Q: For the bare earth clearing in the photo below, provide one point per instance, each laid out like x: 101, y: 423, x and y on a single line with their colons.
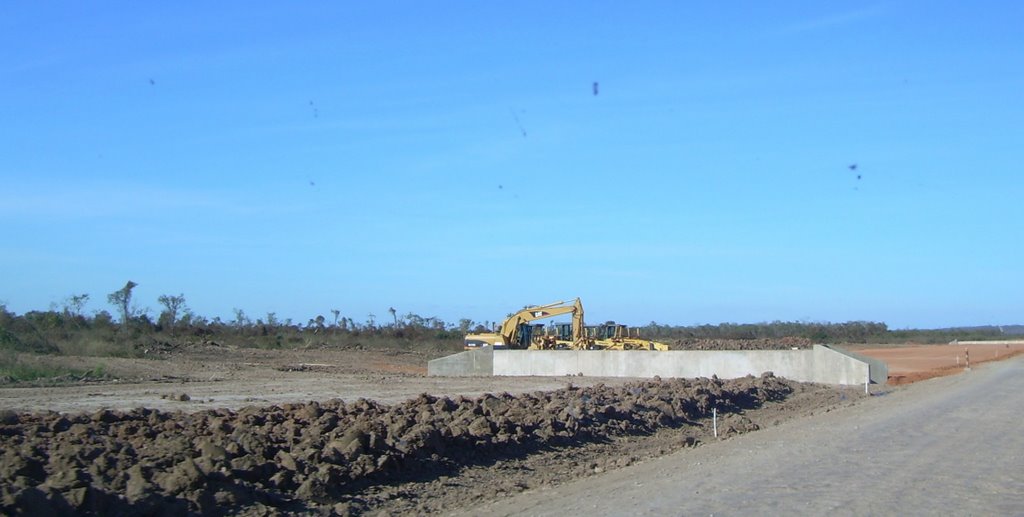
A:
x: 219, y: 377
x: 919, y: 362
x: 275, y: 452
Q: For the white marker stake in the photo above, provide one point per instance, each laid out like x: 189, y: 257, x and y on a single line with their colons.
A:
x: 714, y: 419
x: 867, y: 381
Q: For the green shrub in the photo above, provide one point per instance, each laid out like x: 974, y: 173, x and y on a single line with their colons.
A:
x: 20, y: 335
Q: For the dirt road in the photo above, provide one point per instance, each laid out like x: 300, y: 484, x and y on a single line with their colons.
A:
x: 220, y: 377
x: 950, y: 445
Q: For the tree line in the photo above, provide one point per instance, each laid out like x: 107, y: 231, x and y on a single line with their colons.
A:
x: 66, y: 327
x: 820, y: 332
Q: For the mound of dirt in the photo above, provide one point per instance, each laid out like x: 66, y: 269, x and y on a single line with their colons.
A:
x: 785, y: 343
x: 311, y: 457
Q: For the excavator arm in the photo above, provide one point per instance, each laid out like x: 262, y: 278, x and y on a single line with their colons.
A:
x: 511, y: 327
x: 509, y: 334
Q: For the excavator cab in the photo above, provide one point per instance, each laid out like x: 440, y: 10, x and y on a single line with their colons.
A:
x: 609, y: 330
x: 527, y: 334
x: 563, y: 331
x: 615, y: 330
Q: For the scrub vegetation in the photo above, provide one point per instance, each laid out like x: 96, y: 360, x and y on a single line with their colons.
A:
x: 68, y: 329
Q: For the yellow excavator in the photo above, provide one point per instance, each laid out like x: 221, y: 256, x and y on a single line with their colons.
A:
x: 518, y: 332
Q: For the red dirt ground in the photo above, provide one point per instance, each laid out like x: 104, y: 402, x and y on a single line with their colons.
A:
x: 919, y: 362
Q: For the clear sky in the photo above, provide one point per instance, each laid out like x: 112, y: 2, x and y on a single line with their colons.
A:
x: 452, y: 159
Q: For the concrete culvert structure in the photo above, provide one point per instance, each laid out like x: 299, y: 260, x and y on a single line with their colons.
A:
x: 820, y: 364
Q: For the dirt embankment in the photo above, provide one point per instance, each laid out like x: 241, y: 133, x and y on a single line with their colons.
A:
x: 785, y: 343
x: 323, y: 457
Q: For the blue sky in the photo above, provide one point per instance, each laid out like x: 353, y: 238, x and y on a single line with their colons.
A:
x: 450, y: 159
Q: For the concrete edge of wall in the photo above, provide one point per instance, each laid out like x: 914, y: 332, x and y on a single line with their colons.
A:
x: 877, y: 369
x: 471, y: 363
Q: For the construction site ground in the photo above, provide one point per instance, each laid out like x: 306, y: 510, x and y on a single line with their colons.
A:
x: 205, y: 380
x: 944, y: 446
x: 912, y: 363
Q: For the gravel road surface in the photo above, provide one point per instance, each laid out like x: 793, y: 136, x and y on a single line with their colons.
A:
x: 947, y: 446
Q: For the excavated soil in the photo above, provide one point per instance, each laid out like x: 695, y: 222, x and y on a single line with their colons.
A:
x: 225, y: 430
x: 785, y: 343
x: 334, y: 457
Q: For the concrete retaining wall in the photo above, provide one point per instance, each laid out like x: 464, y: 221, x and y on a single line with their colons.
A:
x: 820, y: 364
x: 879, y: 371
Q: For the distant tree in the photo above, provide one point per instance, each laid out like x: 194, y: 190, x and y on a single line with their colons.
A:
x: 370, y: 319
x: 102, y: 319
x: 189, y: 318
x: 415, y: 320
x: 5, y: 316
x: 122, y: 300
x: 172, y: 306
x: 241, y: 320
x: 394, y: 315
x: 74, y: 304
x: 434, y: 323
x: 336, y: 314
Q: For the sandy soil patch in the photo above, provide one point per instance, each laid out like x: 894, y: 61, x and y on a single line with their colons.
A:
x: 914, y: 363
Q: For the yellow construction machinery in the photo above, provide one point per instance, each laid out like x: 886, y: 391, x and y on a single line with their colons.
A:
x: 613, y: 336
x: 518, y: 332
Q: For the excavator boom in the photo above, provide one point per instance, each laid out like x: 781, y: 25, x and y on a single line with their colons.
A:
x: 512, y: 334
